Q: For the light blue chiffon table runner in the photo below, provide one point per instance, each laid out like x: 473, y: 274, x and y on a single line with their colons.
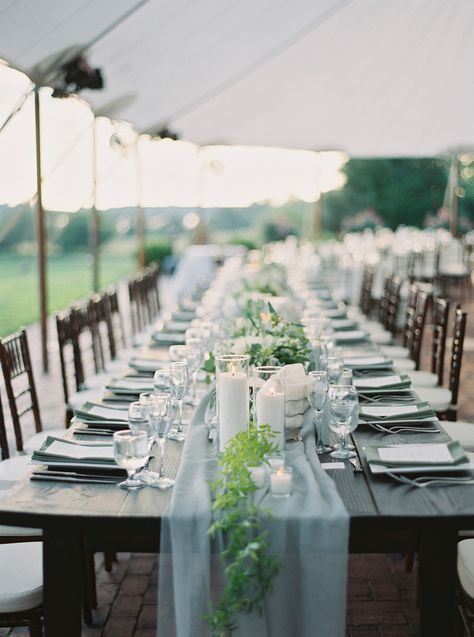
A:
x: 309, y: 536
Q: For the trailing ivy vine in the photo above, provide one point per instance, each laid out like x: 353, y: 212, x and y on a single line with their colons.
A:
x: 249, y: 567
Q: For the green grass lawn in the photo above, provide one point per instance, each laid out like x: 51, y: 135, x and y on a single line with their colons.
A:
x: 69, y: 278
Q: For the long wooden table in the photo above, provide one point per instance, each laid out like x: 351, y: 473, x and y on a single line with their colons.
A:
x: 385, y: 517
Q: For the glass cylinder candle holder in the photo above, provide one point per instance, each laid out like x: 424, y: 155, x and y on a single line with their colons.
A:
x: 232, y: 395
x: 280, y: 482
x: 276, y: 460
x: 269, y: 400
x: 258, y: 475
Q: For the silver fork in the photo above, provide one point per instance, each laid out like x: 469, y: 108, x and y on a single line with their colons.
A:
x: 388, y: 399
x: 396, y: 429
x: 428, y: 481
x: 356, y: 464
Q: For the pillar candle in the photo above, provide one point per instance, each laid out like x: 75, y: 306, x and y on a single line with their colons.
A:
x: 233, y: 405
x: 271, y: 411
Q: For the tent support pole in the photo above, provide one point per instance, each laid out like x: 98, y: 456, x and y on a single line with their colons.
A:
x: 454, y: 202
x: 318, y: 219
x: 41, y: 238
x: 95, y: 221
x: 140, y: 215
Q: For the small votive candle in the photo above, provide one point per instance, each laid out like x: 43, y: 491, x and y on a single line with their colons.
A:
x: 280, y: 482
x: 258, y: 475
x: 276, y: 460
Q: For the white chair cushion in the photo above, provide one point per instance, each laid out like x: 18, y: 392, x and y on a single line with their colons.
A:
x: 439, y: 397
x: 396, y: 351
x: 37, y: 440
x: 462, y: 431
x: 466, y: 566
x: 423, y: 379
x: 14, y: 468
x: 404, y: 364
x: 21, y: 576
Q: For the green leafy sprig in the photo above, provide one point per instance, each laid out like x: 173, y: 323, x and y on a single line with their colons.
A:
x: 249, y: 566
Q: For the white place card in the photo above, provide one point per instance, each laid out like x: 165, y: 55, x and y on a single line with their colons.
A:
x: 377, y: 381
x: 80, y: 452
x: 108, y: 414
x: 416, y: 453
x: 365, y: 360
x: 385, y: 410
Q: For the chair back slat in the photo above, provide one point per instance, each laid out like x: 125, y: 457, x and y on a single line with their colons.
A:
x: 385, y: 299
x: 393, y: 304
x: 366, y: 290
x: 116, y: 318
x: 3, y: 434
x: 459, y: 331
x: 16, y: 366
x: 440, y: 327
x: 419, y: 327
x: 410, y: 316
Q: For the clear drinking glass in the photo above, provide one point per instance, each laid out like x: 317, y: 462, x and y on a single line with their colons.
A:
x: 179, y: 387
x: 334, y: 367
x: 139, y: 418
x: 131, y: 453
x: 161, y: 417
x: 346, y: 376
x: 343, y: 402
x: 317, y: 399
x: 194, y: 357
x: 161, y: 380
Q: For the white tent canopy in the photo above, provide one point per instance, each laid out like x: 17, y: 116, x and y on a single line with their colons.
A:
x: 368, y: 77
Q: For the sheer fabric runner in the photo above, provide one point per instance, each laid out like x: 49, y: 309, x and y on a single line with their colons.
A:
x: 309, y: 535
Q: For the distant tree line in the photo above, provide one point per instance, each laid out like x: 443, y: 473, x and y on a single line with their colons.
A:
x: 397, y: 191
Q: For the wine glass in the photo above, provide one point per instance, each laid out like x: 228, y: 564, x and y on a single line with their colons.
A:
x: 131, y: 452
x: 179, y: 387
x: 317, y: 399
x: 343, y: 402
x: 162, y: 416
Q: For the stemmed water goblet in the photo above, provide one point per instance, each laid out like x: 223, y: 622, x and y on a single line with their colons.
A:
x: 131, y: 451
x: 162, y: 416
x: 343, y: 403
x: 178, y: 387
x: 317, y: 399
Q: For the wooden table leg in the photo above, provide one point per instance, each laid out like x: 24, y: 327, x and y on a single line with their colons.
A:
x: 62, y: 582
x: 438, y: 577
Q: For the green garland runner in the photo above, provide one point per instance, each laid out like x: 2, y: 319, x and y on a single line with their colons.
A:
x: 249, y: 566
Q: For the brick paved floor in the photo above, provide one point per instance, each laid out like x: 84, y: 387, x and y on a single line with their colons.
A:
x: 381, y: 595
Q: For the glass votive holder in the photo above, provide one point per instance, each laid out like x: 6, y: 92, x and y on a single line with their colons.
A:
x: 276, y: 460
x: 258, y: 475
x: 280, y: 482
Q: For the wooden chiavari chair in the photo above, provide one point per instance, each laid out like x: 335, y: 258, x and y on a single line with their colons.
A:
x: 21, y: 389
x: 444, y: 401
x: 438, y: 347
